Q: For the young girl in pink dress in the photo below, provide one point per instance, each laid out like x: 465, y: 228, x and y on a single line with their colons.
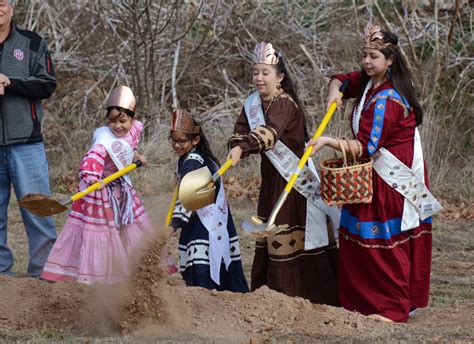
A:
x: 100, y: 240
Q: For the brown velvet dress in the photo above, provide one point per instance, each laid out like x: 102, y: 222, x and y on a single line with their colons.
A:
x: 280, y: 261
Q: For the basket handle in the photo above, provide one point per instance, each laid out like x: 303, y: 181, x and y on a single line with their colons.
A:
x: 343, y: 151
x: 352, y: 151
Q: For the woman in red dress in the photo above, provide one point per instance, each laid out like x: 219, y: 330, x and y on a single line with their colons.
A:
x: 385, y: 246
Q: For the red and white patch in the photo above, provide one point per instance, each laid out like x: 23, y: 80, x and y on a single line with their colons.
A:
x: 19, y: 55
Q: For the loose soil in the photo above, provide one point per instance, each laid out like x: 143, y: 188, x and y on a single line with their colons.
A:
x: 155, y: 306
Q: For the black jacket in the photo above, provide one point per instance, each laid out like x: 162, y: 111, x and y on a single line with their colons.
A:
x: 25, y: 60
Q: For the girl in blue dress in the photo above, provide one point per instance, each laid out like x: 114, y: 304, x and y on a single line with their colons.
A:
x: 209, y: 252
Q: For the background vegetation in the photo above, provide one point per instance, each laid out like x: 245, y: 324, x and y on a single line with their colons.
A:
x: 197, y: 55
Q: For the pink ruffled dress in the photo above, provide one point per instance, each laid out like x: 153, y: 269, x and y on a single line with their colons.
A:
x: 92, y: 247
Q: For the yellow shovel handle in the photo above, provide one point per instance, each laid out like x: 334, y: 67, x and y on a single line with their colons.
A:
x: 224, y: 167
x: 317, y: 134
x: 169, y: 216
x: 107, y: 180
x: 222, y: 170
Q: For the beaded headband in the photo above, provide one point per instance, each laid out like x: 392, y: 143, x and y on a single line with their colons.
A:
x: 373, y: 38
x: 181, y: 121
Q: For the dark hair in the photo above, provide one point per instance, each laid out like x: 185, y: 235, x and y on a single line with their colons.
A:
x: 120, y: 109
x: 291, y: 90
x: 203, y: 144
x: 402, y: 79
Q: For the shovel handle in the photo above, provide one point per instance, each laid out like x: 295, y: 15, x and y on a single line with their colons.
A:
x: 169, y: 215
x: 222, y: 170
x: 317, y: 134
x: 106, y: 180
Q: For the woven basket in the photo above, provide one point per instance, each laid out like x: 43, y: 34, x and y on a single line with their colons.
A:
x: 344, y: 182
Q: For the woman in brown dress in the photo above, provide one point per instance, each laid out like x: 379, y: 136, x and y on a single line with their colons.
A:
x: 272, y: 117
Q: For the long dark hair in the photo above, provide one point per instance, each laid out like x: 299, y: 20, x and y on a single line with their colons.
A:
x: 401, y: 76
x: 291, y: 89
x: 203, y: 144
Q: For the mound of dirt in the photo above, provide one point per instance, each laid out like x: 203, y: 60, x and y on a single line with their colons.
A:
x: 30, y: 305
x: 155, y: 307
x: 177, y: 312
x: 263, y: 314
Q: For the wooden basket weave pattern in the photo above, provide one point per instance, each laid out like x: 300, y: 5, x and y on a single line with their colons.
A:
x: 346, y: 182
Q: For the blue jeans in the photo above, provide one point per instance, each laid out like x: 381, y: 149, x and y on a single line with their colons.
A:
x: 26, y: 167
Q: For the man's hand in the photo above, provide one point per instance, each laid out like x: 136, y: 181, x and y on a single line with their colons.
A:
x: 4, y: 80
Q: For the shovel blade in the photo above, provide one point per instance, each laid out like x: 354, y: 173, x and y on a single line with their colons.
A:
x: 41, y: 205
x: 259, y: 229
x: 197, y: 189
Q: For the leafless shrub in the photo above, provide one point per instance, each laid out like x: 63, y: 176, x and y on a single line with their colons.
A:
x: 196, y: 54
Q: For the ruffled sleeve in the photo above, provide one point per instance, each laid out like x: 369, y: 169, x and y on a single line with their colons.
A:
x: 92, y: 165
x: 262, y: 138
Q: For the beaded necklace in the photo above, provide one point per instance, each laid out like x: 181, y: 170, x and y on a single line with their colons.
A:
x: 272, y: 98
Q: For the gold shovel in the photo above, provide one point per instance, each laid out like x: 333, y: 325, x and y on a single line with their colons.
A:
x: 197, y: 188
x: 256, y: 227
x: 42, y: 205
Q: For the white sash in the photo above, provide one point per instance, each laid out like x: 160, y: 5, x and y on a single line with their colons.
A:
x: 119, y: 149
x: 214, y: 217
x: 285, y: 162
x: 409, y: 182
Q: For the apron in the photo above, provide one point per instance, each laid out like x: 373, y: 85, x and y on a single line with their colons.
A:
x: 214, y: 218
